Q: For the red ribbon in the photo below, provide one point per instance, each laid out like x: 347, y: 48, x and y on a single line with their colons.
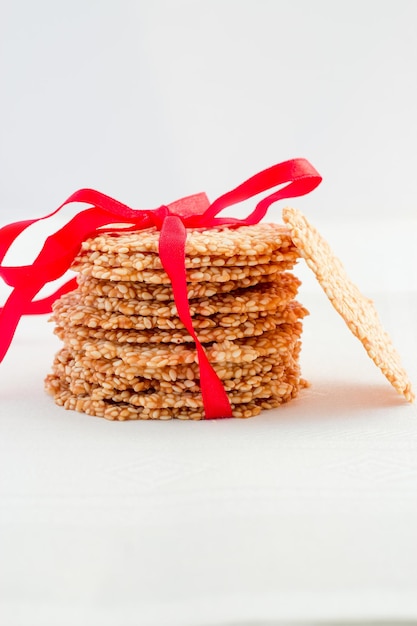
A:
x: 60, y: 249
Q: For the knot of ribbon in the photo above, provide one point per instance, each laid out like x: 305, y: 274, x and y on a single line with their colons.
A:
x: 104, y: 213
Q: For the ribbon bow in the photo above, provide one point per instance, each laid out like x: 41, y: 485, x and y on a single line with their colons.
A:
x: 60, y: 249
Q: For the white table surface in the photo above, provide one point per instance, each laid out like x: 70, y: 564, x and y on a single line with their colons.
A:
x: 307, y: 513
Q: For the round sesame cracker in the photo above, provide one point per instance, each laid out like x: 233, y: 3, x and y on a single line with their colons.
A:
x: 202, y: 274
x: 123, y: 411
x: 189, y: 400
x: 253, y: 240
x: 277, y: 342
x: 266, y: 297
x: 81, y: 380
x: 141, y: 261
x: 69, y: 311
x: 357, y: 311
x: 75, y: 335
x: 110, y: 368
x: 152, y: 398
x: 129, y: 290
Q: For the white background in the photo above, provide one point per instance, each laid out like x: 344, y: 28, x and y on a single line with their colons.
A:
x: 305, y: 514
x: 149, y: 101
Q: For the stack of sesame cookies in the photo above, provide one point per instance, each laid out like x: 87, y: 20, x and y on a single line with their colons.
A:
x: 126, y: 353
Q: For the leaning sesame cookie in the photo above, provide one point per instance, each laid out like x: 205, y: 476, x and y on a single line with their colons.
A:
x: 357, y: 311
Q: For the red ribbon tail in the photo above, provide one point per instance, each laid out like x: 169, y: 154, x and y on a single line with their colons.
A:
x: 17, y: 302
x: 172, y: 254
x: 44, y: 305
x: 54, y: 259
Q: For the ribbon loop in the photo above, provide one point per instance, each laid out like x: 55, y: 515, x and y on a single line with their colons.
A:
x: 298, y: 174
